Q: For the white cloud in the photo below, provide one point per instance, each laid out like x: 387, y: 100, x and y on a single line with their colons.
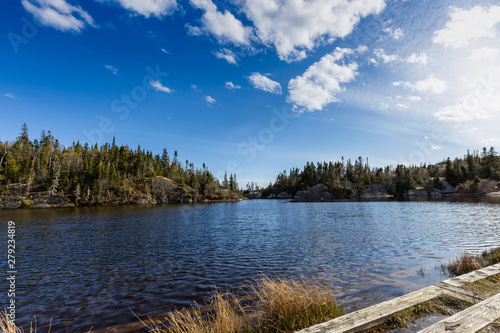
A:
x: 420, y: 59
x: 380, y: 53
x: 465, y: 25
x: 402, y: 106
x: 295, y: 27
x: 485, y: 54
x: 460, y: 113
x: 396, y: 34
x: 383, y: 106
x: 147, y: 8
x: 232, y: 86
x: 431, y: 83
x: 227, y: 55
x: 159, y: 87
x: 414, y: 98
x: 165, y: 51
x: 436, y: 147
x: 321, y: 82
x: 113, y: 69
x: 469, y: 130
x: 482, y: 102
x: 195, y: 88
x: 224, y: 26
x: 209, y: 100
x: 59, y: 14
x: 9, y: 95
x: 264, y: 83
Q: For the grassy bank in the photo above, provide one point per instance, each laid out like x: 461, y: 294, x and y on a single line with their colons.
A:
x: 280, y: 305
x: 466, y: 262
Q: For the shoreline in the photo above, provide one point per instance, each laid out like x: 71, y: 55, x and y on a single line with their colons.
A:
x: 156, y: 190
x: 39, y: 206
x: 488, y: 197
x: 373, y: 192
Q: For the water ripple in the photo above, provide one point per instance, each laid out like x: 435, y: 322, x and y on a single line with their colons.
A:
x: 89, y: 267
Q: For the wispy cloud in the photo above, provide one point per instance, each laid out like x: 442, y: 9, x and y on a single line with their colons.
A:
x: 380, y: 53
x: 420, y: 59
x: 209, y: 100
x: 9, y: 95
x: 479, y: 103
x: 59, y: 14
x: 264, y: 83
x: 164, y: 51
x: 396, y: 34
x: 485, y: 54
x: 227, y: 55
x: 431, y: 83
x: 147, y: 8
x: 195, y: 88
x: 113, y: 69
x: 159, y: 87
x: 232, y: 86
x: 383, y: 106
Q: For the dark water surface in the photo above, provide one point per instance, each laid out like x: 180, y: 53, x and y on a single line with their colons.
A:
x: 91, y: 267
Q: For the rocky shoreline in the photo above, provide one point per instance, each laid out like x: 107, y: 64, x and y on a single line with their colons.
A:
x: 321, y: 192
x: 156, y: 190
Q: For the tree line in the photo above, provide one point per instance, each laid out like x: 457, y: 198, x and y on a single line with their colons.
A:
x: 91, y: 173
x: 344, y: 177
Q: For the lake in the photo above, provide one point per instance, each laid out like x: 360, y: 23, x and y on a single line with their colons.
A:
x: 92, y: 266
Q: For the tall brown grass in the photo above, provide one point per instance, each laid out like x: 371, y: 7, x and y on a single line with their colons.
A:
x: 279, y: 305
x: 6, y: 326
x: 223, y: 313
x: 466, y: 262
x: 490, y: 257
x: 288, y: 305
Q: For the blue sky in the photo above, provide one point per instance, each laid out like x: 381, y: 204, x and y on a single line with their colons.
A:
x: 256, y: 86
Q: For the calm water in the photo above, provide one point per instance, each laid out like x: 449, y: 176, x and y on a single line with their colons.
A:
x: 89, y: 267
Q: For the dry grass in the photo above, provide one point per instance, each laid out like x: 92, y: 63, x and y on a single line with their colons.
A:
x: 280, y: 305
x: 288, y: 305
x: 225, y: 314
x: 6, y: 326
x: 466, y: 262
x: 490, y: 257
